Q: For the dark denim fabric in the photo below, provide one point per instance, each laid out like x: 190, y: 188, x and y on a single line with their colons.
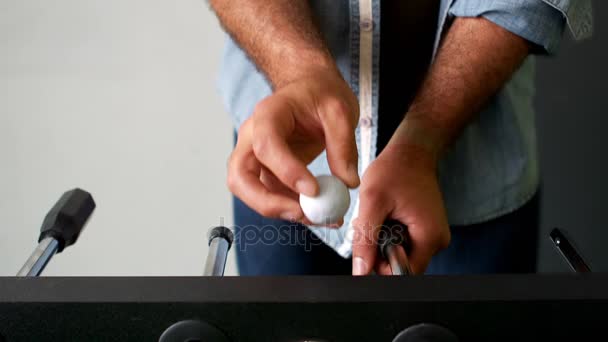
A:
x: 274, y: 247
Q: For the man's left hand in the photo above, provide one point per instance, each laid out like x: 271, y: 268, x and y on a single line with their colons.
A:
x: 400, y: 184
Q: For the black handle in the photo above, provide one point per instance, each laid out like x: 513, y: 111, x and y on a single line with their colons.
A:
x: 221, y: 232
x: 567, y: 250
x: 393, y: 232
x: 192, y: 330
x: 65, y: 220
x: 426, y: 332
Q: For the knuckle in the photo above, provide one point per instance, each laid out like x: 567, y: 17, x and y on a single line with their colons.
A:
x: 260, y: 145
x: 288, y: 174
x: 245, y: 128
x: 231, y: 182
x: 266, y: 211
x: 337, y: 109
x: 363, y: 235
x: 442, y: 238
x: 371, y: 195
x: 230, y: 161
x: 261, y: 107
x: 445, y: 240
x: 242, y: 135
x: 335, y: 106
x: 233, y: 166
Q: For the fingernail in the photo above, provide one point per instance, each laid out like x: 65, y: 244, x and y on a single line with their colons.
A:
x: 337, y: 224
x: 359, y: 266
x: 305, y: 187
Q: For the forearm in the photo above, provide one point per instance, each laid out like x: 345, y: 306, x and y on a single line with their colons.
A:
x: 279, y: 35
x: 476, y: 59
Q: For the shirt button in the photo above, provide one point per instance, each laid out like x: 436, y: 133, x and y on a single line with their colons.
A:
x: 366, y: 25
x: 365, y: 122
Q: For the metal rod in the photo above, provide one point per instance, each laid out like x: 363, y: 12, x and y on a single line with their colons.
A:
x: 216, y: 259
x: 40, y: 258
x: 567, y: 250
x: 398, y: 260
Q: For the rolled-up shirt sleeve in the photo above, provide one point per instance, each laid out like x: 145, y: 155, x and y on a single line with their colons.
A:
x: 534, y: 20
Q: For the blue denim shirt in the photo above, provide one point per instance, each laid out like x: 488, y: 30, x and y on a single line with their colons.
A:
x: 492, y: 168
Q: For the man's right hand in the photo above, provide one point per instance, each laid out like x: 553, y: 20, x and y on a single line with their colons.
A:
x: 287, y: 130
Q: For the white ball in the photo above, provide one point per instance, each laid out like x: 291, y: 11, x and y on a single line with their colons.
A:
x: 331, y: 203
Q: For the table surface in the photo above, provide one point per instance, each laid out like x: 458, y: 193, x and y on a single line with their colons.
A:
x: 490, y: 307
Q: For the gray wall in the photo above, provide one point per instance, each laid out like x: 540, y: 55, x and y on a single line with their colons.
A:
x: 572, y: 120
x: 117, y: 97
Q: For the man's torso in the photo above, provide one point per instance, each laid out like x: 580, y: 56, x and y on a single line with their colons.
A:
x: 492, y: 168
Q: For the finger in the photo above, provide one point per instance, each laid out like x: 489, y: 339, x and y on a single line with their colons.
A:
x: 273, y: 124
x: 340, y: 141
x: 383, y: 268
x: 244, y: 182
x: 372, y: 212
x: 420, y: 258
x: 273, y: 184
x: 336, y: 225
x: 427, y: 238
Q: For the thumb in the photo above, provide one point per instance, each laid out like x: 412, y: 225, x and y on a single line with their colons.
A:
x: 366, y: 228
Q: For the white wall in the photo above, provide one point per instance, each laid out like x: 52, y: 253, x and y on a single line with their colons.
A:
x: 116, y: 97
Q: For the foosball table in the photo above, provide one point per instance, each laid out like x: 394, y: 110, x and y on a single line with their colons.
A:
x: 212, y: 307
